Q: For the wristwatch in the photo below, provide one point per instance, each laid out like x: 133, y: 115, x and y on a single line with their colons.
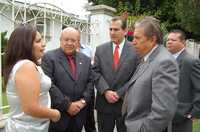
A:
x: 83, y: 101
x: 189, y: 116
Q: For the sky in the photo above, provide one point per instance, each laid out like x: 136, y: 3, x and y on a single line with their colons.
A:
x: 70, y: 6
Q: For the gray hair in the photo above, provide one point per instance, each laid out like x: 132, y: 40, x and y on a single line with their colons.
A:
x: 151, y: 28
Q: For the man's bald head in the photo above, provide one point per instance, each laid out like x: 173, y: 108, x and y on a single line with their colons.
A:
x: 70, y: 30
x: 69, y: 40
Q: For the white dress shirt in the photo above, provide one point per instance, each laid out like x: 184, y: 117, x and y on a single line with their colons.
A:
x: 121, y: 45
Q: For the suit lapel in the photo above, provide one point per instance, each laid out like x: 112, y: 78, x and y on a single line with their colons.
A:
x: 64, y: 62
x: 109, y: 56
x: 144, y: 65
x: 123, y: 54
x: 79, y: 63
x: 139, y: 71
x: 180, y: 58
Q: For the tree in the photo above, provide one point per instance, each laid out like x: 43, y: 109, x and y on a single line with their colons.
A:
x: 182, y: 14
x: 188, y: 12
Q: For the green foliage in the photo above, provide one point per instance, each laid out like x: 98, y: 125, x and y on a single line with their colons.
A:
x: 188, y: 12
x: 123, y: 7
x: 133, y: 19
x: 183, y: 14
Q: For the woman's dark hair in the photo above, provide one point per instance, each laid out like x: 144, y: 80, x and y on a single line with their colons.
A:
x: 20, y: 45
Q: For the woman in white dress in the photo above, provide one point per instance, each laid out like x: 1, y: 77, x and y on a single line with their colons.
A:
x: 27, y: 86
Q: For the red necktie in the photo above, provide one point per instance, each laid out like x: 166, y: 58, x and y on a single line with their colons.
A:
x: 116, y: 57
x: 72, y: 65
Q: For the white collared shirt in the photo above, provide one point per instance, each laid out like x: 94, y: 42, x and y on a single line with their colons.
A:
x: 177, y: 53
x: 121, y: 45
x: 148, y: 54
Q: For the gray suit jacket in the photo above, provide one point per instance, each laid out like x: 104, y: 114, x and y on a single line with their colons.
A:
x: 151, y: 97
x: 106, y: 78
x: 64, y: 87
x: 189, y: 87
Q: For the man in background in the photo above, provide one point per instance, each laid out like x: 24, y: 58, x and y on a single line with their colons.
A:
x: 189, y: 84
x: 85, y: 50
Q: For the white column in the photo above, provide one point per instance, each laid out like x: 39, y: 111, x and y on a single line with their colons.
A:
x: 1, y: 76
x: 13, y: 14
x: 192, y: 47
x: 99, y: 20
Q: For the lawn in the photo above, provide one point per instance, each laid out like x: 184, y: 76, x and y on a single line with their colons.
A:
x: 196, y: 126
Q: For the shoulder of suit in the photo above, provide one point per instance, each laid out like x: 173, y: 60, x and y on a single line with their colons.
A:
x: 128, y: 42
x: 104, y: 45
x: 185, y: 55
x: 81, y: 55
x: 164, y: 55
x: 108, y: 44
x: 189, y: 59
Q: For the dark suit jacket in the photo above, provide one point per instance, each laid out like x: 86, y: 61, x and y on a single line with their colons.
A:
x: 64, y: 88
x: 106, y: 78
x: 151, y: 98
x: 189, y: 87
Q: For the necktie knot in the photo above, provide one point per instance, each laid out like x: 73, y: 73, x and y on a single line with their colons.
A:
x: 70, y: 57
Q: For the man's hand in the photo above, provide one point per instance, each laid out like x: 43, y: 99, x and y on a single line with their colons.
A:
x: 75, y: 107
x: 111, y: 96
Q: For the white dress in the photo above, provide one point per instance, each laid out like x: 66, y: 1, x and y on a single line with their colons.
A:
x: 18, y: 121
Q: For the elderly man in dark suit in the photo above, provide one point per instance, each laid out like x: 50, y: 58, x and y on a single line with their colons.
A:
x: 189, y: 85
x: 72, y: 85
x: 150, y: 101
x: 114, y: 64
